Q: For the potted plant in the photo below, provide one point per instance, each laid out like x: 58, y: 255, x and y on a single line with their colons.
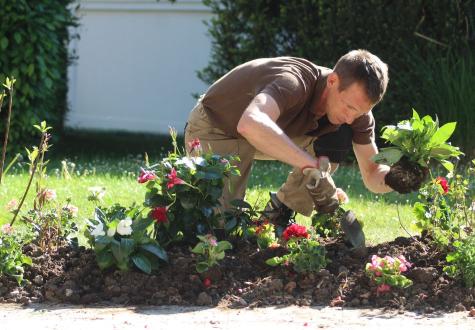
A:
x: 415, y: 142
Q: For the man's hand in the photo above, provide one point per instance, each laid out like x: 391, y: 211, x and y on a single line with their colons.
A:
x: 321, y: 187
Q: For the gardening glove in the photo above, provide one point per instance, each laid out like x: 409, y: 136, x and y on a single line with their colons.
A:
x: 321, y: 187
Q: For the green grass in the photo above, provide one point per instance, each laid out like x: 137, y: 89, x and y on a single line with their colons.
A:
x: 118, y: 176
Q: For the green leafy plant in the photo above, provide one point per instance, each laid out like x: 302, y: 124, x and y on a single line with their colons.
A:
x: 183, y: 193
x: 415, y: 142
x: 420, y: 140
x: 462, y: 261
x: 305, y: 252
x: 53, y: 224
x: 387, y: 272
x: 445, y: 206
x: 210, y: 252
x: 121, y: 237
x: 12, y: 258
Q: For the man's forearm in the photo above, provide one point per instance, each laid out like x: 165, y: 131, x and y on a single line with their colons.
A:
x: 265, y: 135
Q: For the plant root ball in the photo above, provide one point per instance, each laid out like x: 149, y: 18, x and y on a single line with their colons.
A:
x: 406, y: 176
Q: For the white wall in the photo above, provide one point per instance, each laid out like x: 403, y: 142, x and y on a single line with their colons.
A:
x: 137, y: 63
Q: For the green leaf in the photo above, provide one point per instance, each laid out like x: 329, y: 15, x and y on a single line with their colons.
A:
x: 26, y: 260
x: 198, y: 249
x: 104, y: 259
x: 156, y: 250
x: 141, y: 224
x: 224, y: 245
x: 274, y: 261
x: 121, y: 250
x: 17, y: 37
x: 201, y: 267
x: 388, y: 156
x: 230, y: 224
x: 101, y: 242
x: 448, y: 165
x: 142, y: 263
x: 3, y: 43
x: 443, y: 133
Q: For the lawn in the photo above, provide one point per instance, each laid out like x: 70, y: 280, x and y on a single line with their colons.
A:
x: 117, y: 174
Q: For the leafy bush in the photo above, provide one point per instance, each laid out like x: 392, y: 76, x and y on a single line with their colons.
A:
x: 445, y: 209
x: 463, y: 261
x: 121, y: 237
x: 12, y: 258
x: 265, y: 235
x: 183, y: 194
x: 34, y: 41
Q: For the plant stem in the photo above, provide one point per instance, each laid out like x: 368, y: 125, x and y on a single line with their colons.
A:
x: 7, y: 129
x: 32, y: 174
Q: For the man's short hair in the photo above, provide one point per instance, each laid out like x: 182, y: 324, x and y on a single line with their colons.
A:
x: 363, y: 67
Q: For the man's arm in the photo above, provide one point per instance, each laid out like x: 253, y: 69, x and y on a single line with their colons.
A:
x: 258, y: 126
x: 372, y: 173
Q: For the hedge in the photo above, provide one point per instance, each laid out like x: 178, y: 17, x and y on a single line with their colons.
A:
x: 34, y: 49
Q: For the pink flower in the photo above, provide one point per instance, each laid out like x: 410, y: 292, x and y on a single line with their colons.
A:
x: 47, y: 195
x: 405, y: 265
x: 146, y: 176
x: 443, y: 183
x: 211, y: 240
x: 159, y: 214
x: 173, y: 179
x: 7, y: 229
x: 342, y: 196
x: 295, y: 230
x: 73, y: 210
x: 195, y: 144
x: 382, y: 288
x: 12, y: 205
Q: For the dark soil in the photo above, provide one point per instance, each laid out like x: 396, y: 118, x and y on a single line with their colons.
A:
x: 243, y: 279
x: 406, y: 176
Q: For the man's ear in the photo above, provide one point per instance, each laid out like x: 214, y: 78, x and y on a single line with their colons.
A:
x: 333, y: 80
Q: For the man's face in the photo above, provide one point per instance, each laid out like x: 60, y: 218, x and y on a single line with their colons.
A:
x: 343, y: 107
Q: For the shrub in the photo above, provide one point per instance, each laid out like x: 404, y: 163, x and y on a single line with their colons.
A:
x: 463, y: 261
x: 210, y: 252
x: 34, y: 41
x: 12, y: 258
x: 121, y: 237
x: 183, y: 194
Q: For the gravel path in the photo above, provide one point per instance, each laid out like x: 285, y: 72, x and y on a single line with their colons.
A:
x: 44, y: 316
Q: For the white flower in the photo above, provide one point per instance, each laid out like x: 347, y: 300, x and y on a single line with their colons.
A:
x: 199, y: 161
x: 186, y: 161
x: 124, y: 227
x: 472, y: 207
x: 98, y: 230
x: 97, y: 193
x: 111, y: 232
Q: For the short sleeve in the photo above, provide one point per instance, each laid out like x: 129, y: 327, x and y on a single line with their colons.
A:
x: 363, y: 129
x: 287, y: 90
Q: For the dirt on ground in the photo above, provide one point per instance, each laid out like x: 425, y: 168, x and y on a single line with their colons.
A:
x: 243, y: 280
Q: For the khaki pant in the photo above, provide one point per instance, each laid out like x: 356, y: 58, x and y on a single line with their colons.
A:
x: 292, y: 193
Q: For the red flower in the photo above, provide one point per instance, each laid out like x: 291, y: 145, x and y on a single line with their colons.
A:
x: 207, y: 282
x: 159, y: 214
x: 295, y: 230
x: 146, y: 176
x: 194, y: 144
x: 443, y: 183
x: 173, y: 179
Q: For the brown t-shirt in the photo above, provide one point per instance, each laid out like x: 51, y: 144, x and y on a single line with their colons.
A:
x: 294, y: 83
